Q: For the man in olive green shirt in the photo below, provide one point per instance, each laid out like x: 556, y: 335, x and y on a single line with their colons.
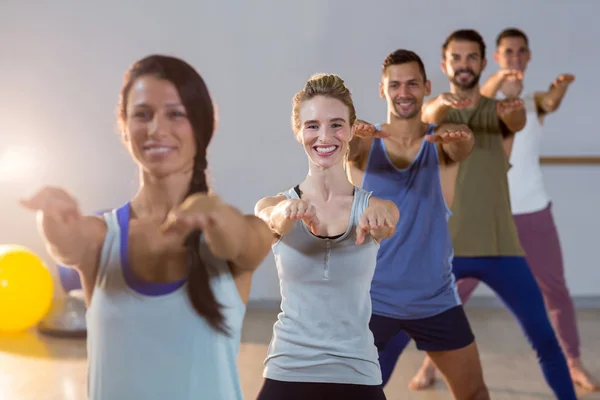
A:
x: 484, y: 235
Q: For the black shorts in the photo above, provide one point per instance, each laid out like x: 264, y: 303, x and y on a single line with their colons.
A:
x: 279, y: 390
x: 449, y: 330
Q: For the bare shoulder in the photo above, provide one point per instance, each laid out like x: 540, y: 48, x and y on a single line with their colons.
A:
x: 267, y: 202
x: 95, y: 229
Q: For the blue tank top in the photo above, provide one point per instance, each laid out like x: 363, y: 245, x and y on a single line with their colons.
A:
x: 147, y: 341
x: 413, y: 277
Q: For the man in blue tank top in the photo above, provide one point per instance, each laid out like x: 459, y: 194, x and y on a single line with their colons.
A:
x: 415, y: 165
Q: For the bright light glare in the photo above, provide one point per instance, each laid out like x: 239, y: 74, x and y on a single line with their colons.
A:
x: 17, y: 163
x: 69, y: 387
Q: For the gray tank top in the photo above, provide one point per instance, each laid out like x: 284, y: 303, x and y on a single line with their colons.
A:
x: 158, y: 347
x: 322, y: 333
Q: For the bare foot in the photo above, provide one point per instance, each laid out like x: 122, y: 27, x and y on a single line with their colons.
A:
x: 582, y: 378
x: 424, y: 378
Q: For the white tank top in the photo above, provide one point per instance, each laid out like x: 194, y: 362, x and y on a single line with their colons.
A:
x: 158, y: 347
x: 525, y: 178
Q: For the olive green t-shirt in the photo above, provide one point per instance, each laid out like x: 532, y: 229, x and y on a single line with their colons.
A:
x: 481, y: 223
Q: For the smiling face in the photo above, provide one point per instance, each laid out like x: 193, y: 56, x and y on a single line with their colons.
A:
x: 325, y: 130
x: 157, y: 131
x: 404, y: 88
x: 463, y: 63
x: 513, y: 53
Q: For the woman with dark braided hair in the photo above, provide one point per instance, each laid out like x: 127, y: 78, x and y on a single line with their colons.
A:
x: 167, y: 275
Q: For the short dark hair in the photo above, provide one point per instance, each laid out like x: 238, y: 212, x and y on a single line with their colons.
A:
x: 468, y: 35
x: 512, y: 33
x: 402, y: 56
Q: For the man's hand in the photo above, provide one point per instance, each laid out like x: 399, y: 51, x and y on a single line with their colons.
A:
x: 366, y: 130
x: 564, y: 79
x: 456, y: 141
x: 509, y: 74
x: 552, y: 99
x: 444, y: 135
x: 454, y: 101
x: 509, y: 80
x: 512, y: 82
x: 509, y: 106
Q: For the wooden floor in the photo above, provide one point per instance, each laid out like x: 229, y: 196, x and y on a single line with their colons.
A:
x: 40, y: 368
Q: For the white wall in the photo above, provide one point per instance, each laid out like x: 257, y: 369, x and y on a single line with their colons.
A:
x: 63, y: 61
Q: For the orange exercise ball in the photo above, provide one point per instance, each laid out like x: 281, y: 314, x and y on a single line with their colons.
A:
x: 26, y: 288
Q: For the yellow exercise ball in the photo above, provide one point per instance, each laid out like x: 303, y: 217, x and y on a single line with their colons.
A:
x: 26, y: 288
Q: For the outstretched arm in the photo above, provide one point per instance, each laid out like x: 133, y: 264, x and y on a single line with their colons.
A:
x: 363, y: 134
x: 356, y: 154
x: 435, y: 110
x: 272, y: 211
x: 360, y: 146
x: 548, y: 102
x: 456, y: 141
x: 254, y: 242
x: 379, y: 219
x: 512, y: 115
x: 70, y: 238
x: 281, y: 214
x: 243, y: 240
x: 492, y: 85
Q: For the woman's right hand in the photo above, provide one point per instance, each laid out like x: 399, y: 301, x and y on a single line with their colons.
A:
x: 59, y: 218
x: 294, y: 209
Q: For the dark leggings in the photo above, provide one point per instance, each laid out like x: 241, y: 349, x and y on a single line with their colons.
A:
x: 278, y: 390
x: 513, y: 282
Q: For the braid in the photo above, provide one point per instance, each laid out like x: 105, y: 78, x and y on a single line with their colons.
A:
x: 199, y: 291
x: 196, y: 98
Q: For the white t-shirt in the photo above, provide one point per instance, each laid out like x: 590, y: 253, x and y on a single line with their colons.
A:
x: 525, y: 177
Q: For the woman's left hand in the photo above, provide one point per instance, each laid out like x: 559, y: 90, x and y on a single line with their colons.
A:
x: 379, y: 219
